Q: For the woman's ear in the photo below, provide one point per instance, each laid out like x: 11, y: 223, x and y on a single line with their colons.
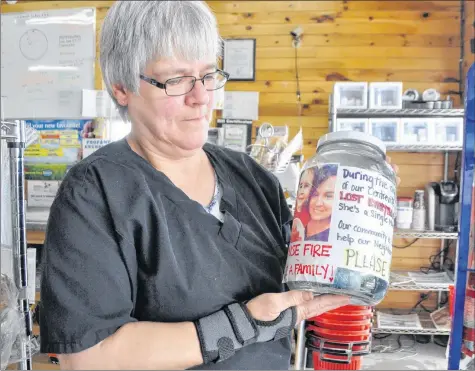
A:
x: 120, y: 94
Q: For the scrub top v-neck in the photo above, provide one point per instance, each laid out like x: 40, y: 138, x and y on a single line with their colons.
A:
x: 124, y: 244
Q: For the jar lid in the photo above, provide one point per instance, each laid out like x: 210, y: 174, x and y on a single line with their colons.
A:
x: 352, y: 136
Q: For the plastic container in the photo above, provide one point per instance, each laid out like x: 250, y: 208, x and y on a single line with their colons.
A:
x: 344, y: 336
x: 339, y: 325
x: 340, y: 345
x: 319, y: 364
x: 355, y: 316
x: 404, y: 212
x: 342, y: 238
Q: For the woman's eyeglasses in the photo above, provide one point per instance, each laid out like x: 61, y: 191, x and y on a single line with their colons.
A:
x: 184, y: 84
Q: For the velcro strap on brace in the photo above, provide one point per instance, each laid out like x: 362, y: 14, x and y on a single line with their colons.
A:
x: 225, y: 331
x: 277, y: 329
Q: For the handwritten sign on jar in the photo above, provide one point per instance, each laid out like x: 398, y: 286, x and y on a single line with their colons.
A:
x: 344, y: 215
x: 347, y: 221
x: 344, y: 220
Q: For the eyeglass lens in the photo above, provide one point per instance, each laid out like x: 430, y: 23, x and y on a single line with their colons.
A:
x: 183, y: 85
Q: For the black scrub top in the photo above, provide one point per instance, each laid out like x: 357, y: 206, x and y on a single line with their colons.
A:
x: 124, y: 244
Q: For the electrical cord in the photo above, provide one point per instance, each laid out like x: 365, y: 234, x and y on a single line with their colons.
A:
x: 406, y: 246
x: 426, y: 339
x: 423, y: 339
x: 297, y: 75
x: 423, y: 298
x: 381, y: 336
x: 400, y: 347
x: 437, y: 266
x: 457, y: 168
x: 441, y: 341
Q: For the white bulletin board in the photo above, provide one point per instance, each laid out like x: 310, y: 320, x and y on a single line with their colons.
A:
x: 47, y: 58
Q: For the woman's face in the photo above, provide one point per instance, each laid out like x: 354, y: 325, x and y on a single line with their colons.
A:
x: 305, y: 186
x: 321, y: 203
x: 178, y: 122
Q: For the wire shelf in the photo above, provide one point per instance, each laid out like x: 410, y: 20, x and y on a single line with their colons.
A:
x: 402, y: 233
x: 423, y: 147
x: 36, y: 226
x: 428, y: 328
x: 405, y: 112
x: 400, y: 281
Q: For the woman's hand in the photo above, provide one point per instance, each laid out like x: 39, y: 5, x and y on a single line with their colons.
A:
x: 267, y: 307
x: 395, y: 168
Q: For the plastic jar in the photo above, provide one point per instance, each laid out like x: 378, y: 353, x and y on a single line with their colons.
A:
x: 344, y: 216
x: 404, y: 213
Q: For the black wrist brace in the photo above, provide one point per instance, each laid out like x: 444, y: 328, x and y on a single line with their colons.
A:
x: 224, y: 332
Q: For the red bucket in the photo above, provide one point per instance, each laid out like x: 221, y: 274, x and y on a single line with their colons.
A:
x: 334, y: 364
x: 342, y: 325
x: 344, y: 336
x: 340, y: 337
x: 355, y: 316
x: 326, y: 344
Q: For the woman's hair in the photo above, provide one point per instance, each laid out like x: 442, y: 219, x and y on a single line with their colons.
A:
x: 134, y: 33
x: 321, y: 174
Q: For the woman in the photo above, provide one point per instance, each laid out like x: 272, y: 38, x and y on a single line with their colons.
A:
x: 164, y: 252
x: 321, y: 203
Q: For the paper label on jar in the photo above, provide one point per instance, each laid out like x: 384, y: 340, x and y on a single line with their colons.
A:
x: 343, y: 220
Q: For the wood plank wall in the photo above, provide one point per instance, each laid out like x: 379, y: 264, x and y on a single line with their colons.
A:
x: 469, y: 34
x: 416, y: 42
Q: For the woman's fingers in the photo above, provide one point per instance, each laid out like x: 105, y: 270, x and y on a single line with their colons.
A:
x: 320, y: 305
x: 267, y: 307
x: 293, y: 298
x: 395, y: 168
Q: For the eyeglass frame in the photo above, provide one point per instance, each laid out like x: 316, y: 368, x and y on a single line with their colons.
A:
x: 163, y: 86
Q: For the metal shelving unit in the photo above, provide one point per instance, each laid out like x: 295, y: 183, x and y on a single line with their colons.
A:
x: 402, y: 233
x: 405, y: 112
x: 404, y: 283
x: 423, y: 148
x: 17, y: 138
x: 446, y: 148
x: 428, y: 328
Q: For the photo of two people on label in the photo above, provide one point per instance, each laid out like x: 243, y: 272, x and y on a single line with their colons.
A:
x: 314, y: 204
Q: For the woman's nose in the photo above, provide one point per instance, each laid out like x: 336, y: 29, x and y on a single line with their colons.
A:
x: 199, y: 95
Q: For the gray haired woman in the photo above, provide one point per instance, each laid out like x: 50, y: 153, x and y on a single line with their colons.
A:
x: 162, y: 251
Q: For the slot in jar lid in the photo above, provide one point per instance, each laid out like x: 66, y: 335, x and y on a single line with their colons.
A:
x: 352, y: 136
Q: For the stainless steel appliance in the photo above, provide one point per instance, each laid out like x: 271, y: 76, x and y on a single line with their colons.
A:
x: 441, y: 199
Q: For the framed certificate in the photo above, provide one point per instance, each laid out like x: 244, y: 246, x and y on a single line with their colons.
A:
x: 239, y: 59
x: 237, y: 133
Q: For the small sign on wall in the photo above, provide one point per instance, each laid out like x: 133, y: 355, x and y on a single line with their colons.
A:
x: 42, y: 193
x: 241, y: 105
x: 239, y: 59
x: 89, y: 146
x: 236, y: 133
